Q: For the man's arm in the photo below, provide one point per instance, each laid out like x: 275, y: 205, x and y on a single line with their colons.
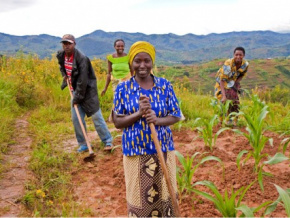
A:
x: 61, y: 69
x: 82, y: 80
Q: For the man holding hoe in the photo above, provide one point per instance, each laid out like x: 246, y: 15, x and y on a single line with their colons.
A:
x: 77, y: 69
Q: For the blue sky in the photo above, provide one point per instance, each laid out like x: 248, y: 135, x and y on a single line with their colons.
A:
x: 200, y: 17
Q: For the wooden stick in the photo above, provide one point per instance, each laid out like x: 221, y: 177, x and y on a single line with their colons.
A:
x: 164, y: 169
x: 80, y: 120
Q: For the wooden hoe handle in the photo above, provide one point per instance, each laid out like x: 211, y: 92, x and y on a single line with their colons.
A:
x: 80, y: 120
x: 164, y: 169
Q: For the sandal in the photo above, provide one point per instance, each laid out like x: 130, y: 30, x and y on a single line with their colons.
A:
x: 82, y: 148
x: 108, y: 148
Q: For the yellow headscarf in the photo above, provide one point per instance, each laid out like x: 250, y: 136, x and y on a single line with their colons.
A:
x: 141, y: 46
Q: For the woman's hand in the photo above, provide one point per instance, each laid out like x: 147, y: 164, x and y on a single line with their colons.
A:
x: 224, y: 99
x: 103, y: 92
x: 144, y: 105
x: 151, y: 117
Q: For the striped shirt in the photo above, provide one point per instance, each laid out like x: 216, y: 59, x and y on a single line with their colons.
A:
x: 68, y: 65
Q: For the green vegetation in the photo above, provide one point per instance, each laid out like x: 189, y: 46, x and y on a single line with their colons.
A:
x: 284, y: 199
x: 255, y: 118
x: 189, y: 166
x: 206, y: 130
x: 31, y: 86
x: 228, y: 203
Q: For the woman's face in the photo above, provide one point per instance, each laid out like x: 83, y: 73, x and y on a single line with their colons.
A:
x: 238, y: 56
x: 119, y: 47
x: 142, y: 65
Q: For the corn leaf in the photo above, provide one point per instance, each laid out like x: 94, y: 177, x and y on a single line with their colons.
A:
x: 285, y: 198
x: 219, y: 132
x: 286, y: 142
x: 260, y: 180
x: 240, y: 155
x: 244, y: 192
x: 248, y: 212
x: 208, y: 158
x: 277, y: 158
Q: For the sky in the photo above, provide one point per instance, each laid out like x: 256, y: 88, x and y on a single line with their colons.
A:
x: 200, y: 17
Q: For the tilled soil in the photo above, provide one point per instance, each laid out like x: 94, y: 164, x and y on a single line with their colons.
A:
x: 100, y: 184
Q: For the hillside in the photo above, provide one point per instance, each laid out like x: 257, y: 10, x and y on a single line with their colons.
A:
x: 171, y: 48
x: 263, y: 73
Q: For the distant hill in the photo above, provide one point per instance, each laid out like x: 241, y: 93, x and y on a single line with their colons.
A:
x: 262, y: 73
x: 171, y: 48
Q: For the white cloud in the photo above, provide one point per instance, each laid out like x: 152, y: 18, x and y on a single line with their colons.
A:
x: 8, y: 5
x: 79, y: 17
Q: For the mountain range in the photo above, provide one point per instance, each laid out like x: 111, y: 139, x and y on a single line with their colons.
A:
x: 170, y: 48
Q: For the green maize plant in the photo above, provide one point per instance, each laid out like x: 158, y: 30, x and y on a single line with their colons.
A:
x: 284, y: 196
x: 277, y: 158
x: 185, y: 175
x: 285, y: 142
x: 255, y: 130
x: 221, y: 109
x: 255, y: 134
x: 205, y: 130
x: 228, y: 203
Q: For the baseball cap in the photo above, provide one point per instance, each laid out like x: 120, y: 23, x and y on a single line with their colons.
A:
x: 68, y: 38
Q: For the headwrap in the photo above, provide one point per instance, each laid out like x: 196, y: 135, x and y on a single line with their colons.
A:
x: 141, y: 46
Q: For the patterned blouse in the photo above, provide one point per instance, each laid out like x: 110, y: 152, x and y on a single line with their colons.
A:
x: 228, y: 72
x: 136, y: 139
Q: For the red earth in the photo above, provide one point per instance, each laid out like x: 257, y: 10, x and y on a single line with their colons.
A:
x: 100, y: 184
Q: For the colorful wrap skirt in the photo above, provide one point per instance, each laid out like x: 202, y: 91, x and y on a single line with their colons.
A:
x: 231, y: 94
x: 146, y: 190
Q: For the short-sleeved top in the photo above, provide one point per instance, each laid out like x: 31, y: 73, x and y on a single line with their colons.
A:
x: 136, y: 139
x: 120, y: 66
x: 229, y: 73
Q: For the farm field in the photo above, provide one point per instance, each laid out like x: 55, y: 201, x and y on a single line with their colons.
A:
x: 265, y: 73
x: 42, y: 175
x: 100, y: 186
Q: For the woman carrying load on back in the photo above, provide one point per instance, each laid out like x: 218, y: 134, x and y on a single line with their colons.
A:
x: 228, y: 80
x: 142, y: 100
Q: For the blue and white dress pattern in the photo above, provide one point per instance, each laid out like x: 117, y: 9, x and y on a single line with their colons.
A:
x: 136, y: 139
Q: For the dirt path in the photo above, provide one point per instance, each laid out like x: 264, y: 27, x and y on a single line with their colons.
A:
x: 16, y: 173
x: 99, y: 186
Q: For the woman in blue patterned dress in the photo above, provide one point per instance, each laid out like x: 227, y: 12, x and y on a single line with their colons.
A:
x: 139, y: 101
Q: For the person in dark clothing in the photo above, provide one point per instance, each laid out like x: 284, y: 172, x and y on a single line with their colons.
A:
x: 77, y: 68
